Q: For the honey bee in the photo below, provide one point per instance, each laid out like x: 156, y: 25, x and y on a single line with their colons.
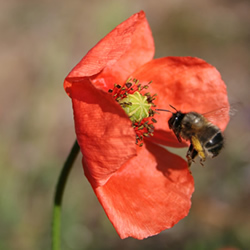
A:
x: 206, y: 139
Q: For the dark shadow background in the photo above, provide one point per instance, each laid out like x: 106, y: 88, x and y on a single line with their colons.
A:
x: 40, y: 43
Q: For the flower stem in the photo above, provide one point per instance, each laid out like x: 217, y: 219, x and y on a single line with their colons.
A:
x: 56, y: 220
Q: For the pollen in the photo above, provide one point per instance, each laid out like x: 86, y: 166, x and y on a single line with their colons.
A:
x: 138, y: 105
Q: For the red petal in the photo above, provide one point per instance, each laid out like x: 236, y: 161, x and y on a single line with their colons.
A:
x: 104, y: 132
x: 124, y: 49
x: 150, y: 193
x: 188, y: 84
x: 167, y: 138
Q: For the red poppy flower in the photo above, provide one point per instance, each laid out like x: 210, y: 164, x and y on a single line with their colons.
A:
x: 146, y: 189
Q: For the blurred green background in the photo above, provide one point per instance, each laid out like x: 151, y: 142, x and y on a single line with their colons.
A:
x: 40, y: 43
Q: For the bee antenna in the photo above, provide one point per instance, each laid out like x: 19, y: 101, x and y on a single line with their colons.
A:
x: 173, y: 107
x: 168, y: 110
x: 164, y: 110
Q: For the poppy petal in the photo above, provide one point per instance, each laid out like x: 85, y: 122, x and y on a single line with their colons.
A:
x: 104, y: 132
x: 148, y: 194
x: 188, y: 84
x: 167, y: 138
x: 119, y: 53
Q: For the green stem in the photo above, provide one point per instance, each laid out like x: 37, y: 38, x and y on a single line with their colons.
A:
x: 56, y: 220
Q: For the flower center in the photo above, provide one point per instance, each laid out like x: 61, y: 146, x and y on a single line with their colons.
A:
x: 138, y: 105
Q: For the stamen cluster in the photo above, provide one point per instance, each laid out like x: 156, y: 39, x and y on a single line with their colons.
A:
x: 138, y: 104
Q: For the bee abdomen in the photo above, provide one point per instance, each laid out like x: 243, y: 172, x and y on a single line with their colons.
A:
x: 214, y: 145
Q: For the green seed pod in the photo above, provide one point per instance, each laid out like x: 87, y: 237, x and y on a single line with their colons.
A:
x: 136, y: 106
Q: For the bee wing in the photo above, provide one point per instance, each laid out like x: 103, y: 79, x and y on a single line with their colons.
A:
x: 221, y: 114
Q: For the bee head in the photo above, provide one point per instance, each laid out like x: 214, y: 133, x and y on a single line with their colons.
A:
x: 175, y: 121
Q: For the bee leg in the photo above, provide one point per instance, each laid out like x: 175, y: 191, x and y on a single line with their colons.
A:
x: 201, y: 162
x: 199, y: 149
x: 191, y: 154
